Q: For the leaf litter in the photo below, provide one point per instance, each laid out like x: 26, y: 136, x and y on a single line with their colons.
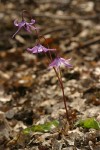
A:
x: 29, y: 95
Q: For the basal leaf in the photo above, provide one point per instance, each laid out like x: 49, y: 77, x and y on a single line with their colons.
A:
x: 88, y: 123
x: 42, y: 127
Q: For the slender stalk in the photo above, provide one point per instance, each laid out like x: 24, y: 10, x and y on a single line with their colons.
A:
x: 37, y: 34
x: 47, y: 46
x: 60, y: 82
x: 23, y: 14
x: 62, y: 88
x: 57, y: 74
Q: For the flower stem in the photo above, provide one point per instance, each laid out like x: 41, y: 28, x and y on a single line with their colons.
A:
x: 62, y: 88
x: 26, y: 12
x: 60, y: 82
x: 57, y: 74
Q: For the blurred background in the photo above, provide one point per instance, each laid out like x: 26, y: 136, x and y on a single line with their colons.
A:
x: 28, y: 91
x: 72, y: 21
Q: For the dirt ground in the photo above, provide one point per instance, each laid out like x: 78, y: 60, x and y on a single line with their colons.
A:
x: 30, y: 93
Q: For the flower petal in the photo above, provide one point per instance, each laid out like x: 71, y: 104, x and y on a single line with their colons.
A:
x: 21, y: 24
x: 60, y: 62
x: 55, y: 63
x: 68, y: 65
x: 39, y: 48
x: 27, y: 28
x: 32, y: 21
x: 29, y: 49
x: 34, y: 50
x: 66, y: 62
x: 16, y: 22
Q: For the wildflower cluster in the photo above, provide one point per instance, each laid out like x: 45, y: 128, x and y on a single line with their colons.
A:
x: 38, y: 48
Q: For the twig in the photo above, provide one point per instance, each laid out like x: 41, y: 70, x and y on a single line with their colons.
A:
x: 62, y: 17
x: 54, y: 1
x: 85, y: 44
x: 90, y: 42
x: 54, y: 29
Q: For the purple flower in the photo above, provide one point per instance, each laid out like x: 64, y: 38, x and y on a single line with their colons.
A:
x: 38, y: 49
x: 23, y: 24
x: 60, y: 62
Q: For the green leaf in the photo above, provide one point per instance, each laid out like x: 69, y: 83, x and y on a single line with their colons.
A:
x: 42, y: 127
x: 88, y: 123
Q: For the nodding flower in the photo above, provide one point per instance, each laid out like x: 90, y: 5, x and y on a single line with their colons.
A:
x: 39, y: 48
x: 23, y: 24
x: 58, y: 62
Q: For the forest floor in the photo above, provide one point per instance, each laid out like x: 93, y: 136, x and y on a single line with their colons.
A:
x: 30, y: 93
